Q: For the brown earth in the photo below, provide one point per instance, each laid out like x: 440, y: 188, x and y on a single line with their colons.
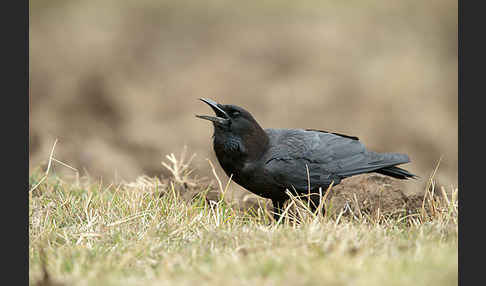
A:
x: 364, y: 193
x: 117, y: 82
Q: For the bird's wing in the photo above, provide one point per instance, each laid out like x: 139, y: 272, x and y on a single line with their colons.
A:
x: 303, y: 158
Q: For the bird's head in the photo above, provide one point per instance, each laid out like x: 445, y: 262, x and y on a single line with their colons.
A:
x: 233, y: 124
x: 230, y: 118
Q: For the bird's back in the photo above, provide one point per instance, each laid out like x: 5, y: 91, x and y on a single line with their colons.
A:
x: 314, y: 145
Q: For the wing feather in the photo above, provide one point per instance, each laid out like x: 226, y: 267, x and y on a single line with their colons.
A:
x: 297, y: 155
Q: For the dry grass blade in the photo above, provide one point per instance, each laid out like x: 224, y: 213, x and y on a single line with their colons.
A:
x: 65, y: 165
x: 284, y: 213
x: 428, y: 192
x: 444, y: 195
x: 48, y: 167
x: 308, y: 178
x: 180, y: 168
x: 127, y: 219
x: 223, y: 195
x: 356, y: 203
x: 215, y: 175
x: 326, y: 194
x: 50, y: 157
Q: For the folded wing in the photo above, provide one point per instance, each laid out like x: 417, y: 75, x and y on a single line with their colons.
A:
x: 303, y: 158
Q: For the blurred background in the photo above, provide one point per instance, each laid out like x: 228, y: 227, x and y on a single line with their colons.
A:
x: 117, y: 82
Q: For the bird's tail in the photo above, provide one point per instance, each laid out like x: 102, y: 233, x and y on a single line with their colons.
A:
x: 396, y: 172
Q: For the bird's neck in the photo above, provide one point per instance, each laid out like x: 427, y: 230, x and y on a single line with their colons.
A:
x: 247, y: 147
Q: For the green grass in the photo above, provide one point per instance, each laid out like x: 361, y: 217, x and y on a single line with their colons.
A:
x: 145, y: 233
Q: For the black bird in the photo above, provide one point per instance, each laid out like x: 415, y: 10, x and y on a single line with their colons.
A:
x: 268, y: 161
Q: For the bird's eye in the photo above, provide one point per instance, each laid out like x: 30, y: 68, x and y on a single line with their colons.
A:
x: 235, y: 113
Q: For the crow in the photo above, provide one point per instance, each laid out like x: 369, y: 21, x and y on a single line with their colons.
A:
x: 267, y: 162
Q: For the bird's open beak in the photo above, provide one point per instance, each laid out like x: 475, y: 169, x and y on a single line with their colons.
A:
x: 221, y: 116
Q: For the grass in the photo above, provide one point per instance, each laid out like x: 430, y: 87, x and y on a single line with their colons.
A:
x: 148, y: 233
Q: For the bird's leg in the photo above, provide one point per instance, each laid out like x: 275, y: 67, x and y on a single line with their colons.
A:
x: 277, y: 208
